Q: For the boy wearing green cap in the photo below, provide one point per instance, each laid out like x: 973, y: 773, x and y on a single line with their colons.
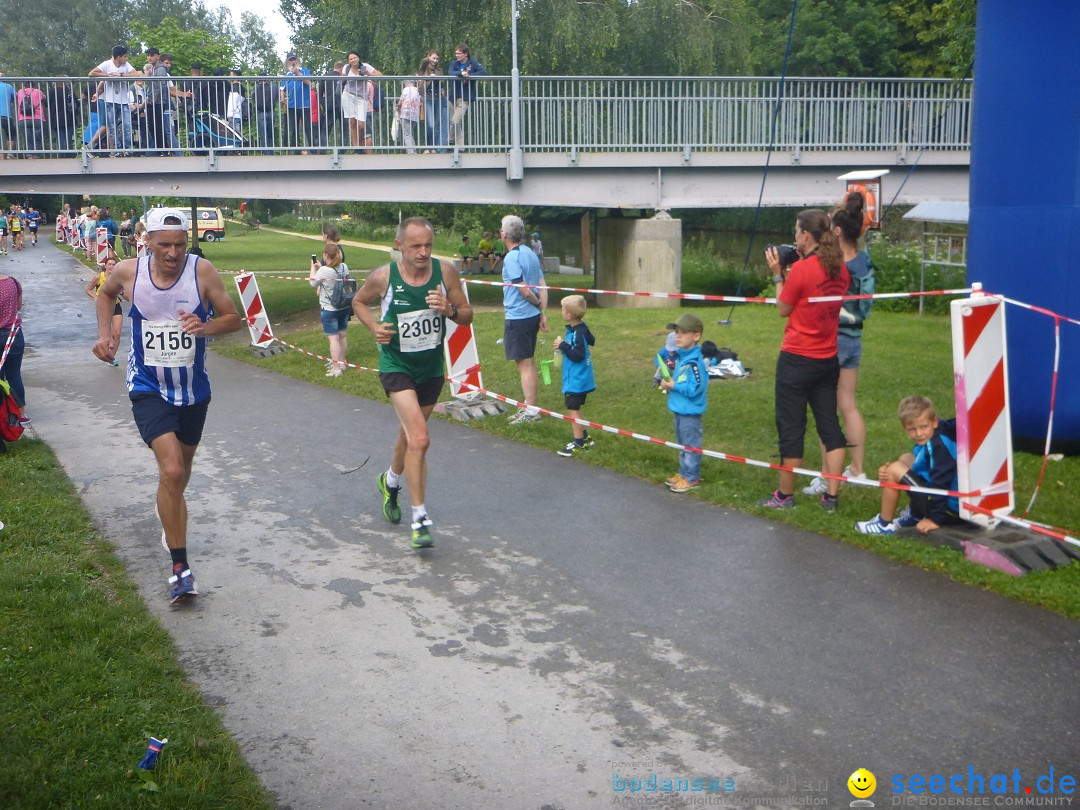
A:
x: 687, y: 394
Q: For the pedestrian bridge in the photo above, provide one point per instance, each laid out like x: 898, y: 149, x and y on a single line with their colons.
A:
x: 611, y: 142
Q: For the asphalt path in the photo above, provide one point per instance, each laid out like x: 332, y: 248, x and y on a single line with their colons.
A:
x: 571, y: 629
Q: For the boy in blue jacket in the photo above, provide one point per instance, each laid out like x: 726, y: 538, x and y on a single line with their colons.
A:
x: 931, y: 463
x: 577, y: 371
x: 687, y: 389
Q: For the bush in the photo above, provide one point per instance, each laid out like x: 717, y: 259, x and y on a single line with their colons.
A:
x: 704, y: 274
x: 899, y: 267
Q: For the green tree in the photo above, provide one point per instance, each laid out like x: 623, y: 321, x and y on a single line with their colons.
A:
x: 836, y: 38
x: 257, y: 51
x: 186, y: 45
x: 934, y: 37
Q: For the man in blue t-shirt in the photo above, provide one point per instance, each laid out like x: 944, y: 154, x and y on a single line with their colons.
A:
x: 7, y: 113
x: 295, y: 94
x: 525, y: 315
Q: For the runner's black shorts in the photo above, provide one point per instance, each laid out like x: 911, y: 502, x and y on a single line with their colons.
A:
x: 155, y: 417
x: 427, y: 391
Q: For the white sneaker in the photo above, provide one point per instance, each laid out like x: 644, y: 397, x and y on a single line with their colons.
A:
x: 820, y: 486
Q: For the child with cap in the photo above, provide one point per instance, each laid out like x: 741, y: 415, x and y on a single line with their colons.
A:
x: 577, y: 372
x: 687, y: 390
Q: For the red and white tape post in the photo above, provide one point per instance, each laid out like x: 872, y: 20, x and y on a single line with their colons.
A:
x: 254, y: 312
x: 102, y: 245
x: 983, y: 434
x: 462, y: 357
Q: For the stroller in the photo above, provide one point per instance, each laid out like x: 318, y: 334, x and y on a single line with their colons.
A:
x: 211, y: 131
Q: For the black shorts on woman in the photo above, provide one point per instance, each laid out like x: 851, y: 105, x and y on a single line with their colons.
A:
x: 802, y: 381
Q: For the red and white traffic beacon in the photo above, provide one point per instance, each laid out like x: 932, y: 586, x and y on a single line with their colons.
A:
x: 984, y: 453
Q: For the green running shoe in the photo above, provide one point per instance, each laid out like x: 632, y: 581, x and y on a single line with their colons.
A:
x: 421, y: 533
x: 390, y: 508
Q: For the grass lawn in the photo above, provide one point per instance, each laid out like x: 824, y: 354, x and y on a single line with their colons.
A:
x: 87, y: 676
x: 739, y: 420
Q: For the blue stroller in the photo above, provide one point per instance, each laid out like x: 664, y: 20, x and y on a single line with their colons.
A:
x: 210, y: 131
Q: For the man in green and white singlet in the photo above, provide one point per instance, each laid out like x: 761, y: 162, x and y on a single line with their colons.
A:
x: 415, y: 297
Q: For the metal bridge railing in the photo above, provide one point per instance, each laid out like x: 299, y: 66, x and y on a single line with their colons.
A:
x: 66, y: 117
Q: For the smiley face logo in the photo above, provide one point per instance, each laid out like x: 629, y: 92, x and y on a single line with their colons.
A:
x: 861, y: 783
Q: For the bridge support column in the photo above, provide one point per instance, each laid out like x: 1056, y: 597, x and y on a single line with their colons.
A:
x: 641, y: 255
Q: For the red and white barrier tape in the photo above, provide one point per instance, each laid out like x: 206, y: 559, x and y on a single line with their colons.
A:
x: 1050, y: 419
x: 1038, y: 528
x: 675, y: 445
x: 865, y: 482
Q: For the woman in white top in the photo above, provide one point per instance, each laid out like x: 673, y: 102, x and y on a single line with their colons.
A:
x: 354, y: 98
x: 335, y: 321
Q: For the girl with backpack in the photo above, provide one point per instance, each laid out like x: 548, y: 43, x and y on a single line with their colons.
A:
x: 336, y: 290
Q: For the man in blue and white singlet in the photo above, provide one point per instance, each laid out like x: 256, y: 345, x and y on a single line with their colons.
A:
x: 177, y: 301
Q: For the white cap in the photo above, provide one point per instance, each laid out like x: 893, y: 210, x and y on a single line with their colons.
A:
x: 155, y: 220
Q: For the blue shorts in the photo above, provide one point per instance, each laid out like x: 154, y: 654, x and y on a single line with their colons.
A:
x: 848, y: 350
x: 155, y: 417
x: 334, y: 320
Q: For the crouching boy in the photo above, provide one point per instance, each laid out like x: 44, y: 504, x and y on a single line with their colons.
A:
x: 931, y: 464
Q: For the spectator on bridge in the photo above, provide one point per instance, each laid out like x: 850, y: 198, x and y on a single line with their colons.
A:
x: 465, y: 68
x: 332, y: 134
x: 354, y: 97
x: 807, y: 371
x: 295, y: 95
x: 30, y: 114
x: 409, y: 105
x: 117, y: 96
x: 237, y: 101
x: 62, y: 103
x: 525, y: 315
x: 171, y: 122
x: 264, y: 98
x: 436, y: 111
x: 7, y: 116
x: 157, y: 101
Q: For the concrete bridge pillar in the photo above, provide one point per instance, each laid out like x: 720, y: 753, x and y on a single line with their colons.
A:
x: 639, y: 254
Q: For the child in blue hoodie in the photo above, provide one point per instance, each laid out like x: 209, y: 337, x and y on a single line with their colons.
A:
x: 577, y: 371
x: 687, y: 390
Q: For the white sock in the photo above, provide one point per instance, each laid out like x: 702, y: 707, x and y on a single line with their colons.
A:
x: 418, y: 512
x: 392, y: 479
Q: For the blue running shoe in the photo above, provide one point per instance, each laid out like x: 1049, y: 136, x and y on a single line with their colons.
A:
x: 182, y: 584
x: 875, y: 526
x: 905, y: 520
x: 390, y: 508
x: 421, y: 533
